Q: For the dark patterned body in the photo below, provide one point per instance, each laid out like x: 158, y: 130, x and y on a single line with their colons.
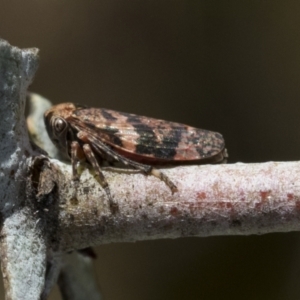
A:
x: 136, y: 141
x: 147, y: 139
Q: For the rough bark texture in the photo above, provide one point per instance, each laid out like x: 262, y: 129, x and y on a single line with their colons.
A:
x: 212, y: 200
x: 22, y: 246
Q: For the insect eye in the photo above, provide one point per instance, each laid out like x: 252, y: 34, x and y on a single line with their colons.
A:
x: 59, y: 125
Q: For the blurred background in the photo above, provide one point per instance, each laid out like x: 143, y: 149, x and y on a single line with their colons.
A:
x: 228, y: 66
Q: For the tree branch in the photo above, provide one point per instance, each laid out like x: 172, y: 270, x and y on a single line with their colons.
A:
x: 22, y: 245
x: 212, y: 200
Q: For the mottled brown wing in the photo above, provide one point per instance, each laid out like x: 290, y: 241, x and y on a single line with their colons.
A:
x: 147, y: 139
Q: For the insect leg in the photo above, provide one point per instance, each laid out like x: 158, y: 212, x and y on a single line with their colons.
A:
x: 121, y: 170
x: 77, y: 156
x: 149, y: 170
x: 100, y: 147
x: 162, y: 176
x: 93, y: 161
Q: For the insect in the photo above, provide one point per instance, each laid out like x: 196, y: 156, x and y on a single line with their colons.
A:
x: 98, y: 135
